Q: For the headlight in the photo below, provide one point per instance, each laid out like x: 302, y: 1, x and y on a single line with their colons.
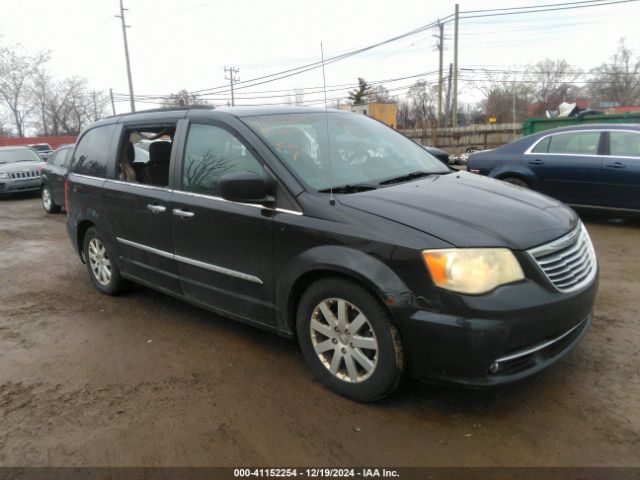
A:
x: 472, y: 270
x: 4, y: 175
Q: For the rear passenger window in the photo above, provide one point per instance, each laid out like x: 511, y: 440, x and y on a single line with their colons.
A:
x: 144, y: 155
x: 542, y: 146
x: 210, y: 153
x: 624, y: 144
x: 92, y: 153
x: 575, y: 143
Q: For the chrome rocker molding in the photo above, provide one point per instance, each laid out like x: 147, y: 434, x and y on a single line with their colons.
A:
x: 190, y: 261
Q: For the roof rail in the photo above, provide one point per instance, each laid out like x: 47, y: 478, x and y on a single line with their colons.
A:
x: 167, y: 109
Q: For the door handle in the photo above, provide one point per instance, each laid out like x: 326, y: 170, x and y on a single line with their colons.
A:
x: 156, y: 208
x: 183, y: 213
x: 537, y: 161
x: 615, y: 165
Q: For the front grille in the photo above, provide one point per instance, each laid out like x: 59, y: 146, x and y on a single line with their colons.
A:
x: 569, y: 262
x: 25, y: 174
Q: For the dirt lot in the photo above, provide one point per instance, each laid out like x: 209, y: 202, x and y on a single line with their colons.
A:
x: 147, y: 380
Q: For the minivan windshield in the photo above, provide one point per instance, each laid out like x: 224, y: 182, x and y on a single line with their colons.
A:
x: 364, y: 153
x: 23, y: 154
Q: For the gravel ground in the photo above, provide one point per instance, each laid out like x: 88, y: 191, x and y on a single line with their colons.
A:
x: 146, y: 380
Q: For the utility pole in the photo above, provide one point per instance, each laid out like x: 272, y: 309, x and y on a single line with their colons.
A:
x: 454, y: 102
x: 113, y: 105
x: 126, y: 55
x: 440, y: 78
x: 232, y: 71
x: 513, y: 86
x: 447, y: 107
x: 95, y: 106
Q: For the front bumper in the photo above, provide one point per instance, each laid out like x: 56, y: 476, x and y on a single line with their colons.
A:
x: 508, y: 335
x: 19, y: 185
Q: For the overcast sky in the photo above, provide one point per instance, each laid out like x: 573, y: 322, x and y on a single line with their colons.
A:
x: 187, y: 43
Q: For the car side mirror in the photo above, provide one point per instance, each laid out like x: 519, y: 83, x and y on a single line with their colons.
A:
x: 245, y: 187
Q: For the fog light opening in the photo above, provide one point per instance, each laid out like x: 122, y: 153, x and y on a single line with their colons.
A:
x: 494, y: 367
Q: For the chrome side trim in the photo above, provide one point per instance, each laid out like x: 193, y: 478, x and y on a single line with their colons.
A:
x: 596, y: 207
x: 601, y: 130
x: 290, y: 212
x: 217, y: 269
x: 253, y: 205
x: 139, y: 185
x: 535, y: 348
x: 195, y: 263
x: 190, y: 194
x: 90, y: 177
x: 162, y: 253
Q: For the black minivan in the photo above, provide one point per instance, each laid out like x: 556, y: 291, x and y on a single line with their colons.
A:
x: 334, y: 229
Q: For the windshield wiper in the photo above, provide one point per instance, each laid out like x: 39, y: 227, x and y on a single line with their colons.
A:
x: 360, y: 187
x: 406, y: 178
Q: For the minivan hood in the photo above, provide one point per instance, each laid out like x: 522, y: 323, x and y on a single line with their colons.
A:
x: 467, y: 210
x: 20, y: 166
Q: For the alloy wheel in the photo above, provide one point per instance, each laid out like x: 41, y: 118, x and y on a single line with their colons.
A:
x: 99, y: 262
x: 46, y: 198
x: 344, y: 340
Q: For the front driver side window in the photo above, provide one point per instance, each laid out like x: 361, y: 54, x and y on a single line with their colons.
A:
x: 210, y: 153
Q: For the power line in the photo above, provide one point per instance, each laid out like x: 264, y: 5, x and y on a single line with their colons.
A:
x: 532, y: 6
x: 542, y: 9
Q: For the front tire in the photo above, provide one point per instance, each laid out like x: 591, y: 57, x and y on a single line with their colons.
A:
x: 349, y: 340
x: 47, y: 200
x: 102, y: 269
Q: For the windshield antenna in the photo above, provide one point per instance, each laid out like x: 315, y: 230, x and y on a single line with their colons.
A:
x: 332, y: 200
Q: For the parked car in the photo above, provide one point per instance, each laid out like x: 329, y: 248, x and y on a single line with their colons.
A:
x: 53, y: 177
x: 42, y: 149
x: 440, y: 154
x: 588, y: 166
x: 19, y: 170
x: 381, y: 262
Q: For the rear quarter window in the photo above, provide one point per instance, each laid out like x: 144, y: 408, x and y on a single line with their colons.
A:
x: 91, y: 156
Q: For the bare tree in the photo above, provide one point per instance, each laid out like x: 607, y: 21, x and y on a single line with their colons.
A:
x: 619, y: 80
x: 182, y: 98
x: 508, y: 101
x: 422, y: 98
x: 554, y: 81
x: 17, y: 71
x: 70, y: 106
x: 40, y: 88
x: 403, y: 114
x: 379, y: 94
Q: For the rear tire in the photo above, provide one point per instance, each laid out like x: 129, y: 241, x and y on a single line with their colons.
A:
x: 47, y: 200
x: 516, y: 181
x: 349, y: 340
x: 103, y: 271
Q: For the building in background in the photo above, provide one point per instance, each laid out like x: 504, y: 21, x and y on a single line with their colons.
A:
x: 383, y: 112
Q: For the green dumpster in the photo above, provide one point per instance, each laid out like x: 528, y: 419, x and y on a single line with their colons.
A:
x: 534, y: 125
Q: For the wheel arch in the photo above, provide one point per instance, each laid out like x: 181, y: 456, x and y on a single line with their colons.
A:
x: 527, y: 178
x: 332, y: 261
x: 81, y: 231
